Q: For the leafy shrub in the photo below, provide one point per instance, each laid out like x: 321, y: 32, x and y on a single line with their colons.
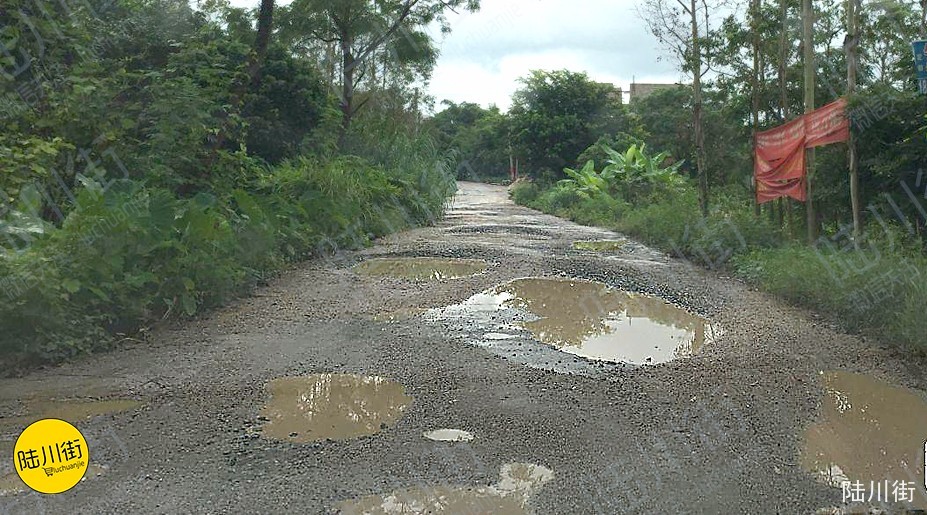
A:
x: 524, y: 192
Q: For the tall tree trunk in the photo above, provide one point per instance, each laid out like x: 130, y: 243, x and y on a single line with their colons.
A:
x: 265, y: 26
x: 851, y: 48
x: 783, y: 61
x: 347, y: 87
x: 754, y: 21
x: 807, y: 15
x: 697, y: 112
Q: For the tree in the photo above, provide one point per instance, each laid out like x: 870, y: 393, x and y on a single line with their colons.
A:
x: 358, y: 29
x: 557, y: 115
x: 479, y: 136
x: 677, y: 26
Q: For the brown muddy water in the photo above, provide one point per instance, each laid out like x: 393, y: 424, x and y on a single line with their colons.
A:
x: 331, y: 406
x: 421, y: 268
x: 509, y: 496
x: 591, y: 320
x: 869, y: 431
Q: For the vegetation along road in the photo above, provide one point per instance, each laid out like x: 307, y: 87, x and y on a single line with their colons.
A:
x: 315, y: 394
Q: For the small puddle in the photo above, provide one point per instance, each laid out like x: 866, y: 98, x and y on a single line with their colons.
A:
x: 509, y: 496
x: 336, y: 406
x: 600, y: 245
x: 73, y: 411
x: 591, y: 320
x: 423, y: 268
x: 449, y: 435
x: 870, y: 431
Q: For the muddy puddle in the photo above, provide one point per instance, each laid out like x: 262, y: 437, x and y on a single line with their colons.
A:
x: 422, y: 268
x: 600, y: 245
x: 331, y: 406
x: 509, y: 496
x: 591, y: 320
x: 73, y: 411
x: 449, y: 435
x: 868, y: 431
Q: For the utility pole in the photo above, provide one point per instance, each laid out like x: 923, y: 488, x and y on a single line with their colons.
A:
x: 807, y: 16
x: 851, y: 49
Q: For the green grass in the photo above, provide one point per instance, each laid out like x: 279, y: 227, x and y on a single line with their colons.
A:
x: 883, y: 294
x: 132, y: 255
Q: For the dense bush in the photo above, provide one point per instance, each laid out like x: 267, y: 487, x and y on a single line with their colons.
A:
x: 130, y: 254
x: 874, y: 285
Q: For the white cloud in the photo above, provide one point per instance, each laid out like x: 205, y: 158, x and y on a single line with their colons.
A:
x: 489, y: 50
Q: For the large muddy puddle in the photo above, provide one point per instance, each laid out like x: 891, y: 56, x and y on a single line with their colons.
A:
x: 590, y: 320
x: 509, y: 496
x: 869, y: 431
x: 421, y: 268
x: 331, y: 406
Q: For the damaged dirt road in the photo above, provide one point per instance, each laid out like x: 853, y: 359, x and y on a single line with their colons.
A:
x: 315, y: 394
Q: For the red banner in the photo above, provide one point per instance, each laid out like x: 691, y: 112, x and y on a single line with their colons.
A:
x: 826, y: 125
x: 779, y: 167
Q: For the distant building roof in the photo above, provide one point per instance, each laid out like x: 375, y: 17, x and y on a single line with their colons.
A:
x: 640, y: 89
x: 616, y: 92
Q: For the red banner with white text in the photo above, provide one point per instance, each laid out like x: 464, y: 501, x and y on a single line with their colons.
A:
x: 779, y: 165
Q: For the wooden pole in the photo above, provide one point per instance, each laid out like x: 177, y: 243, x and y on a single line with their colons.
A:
x: 851, y: 48
x: 807, y: 15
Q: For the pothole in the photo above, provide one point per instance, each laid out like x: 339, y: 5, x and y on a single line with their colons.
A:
x: 421, y: 268
x: 583, y: 318
x: 331, y: 406
x: 521, y: 230
x: 449, y: 435
x: 509, y: 496
x: 870, y: 431
x: 73, y: 411
x: 600, y: 245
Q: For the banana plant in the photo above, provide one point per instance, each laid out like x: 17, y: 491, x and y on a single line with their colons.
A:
x: 586, y: 180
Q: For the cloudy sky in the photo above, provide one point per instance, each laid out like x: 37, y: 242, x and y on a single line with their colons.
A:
x: 488, y: 51
x: 482, y: 59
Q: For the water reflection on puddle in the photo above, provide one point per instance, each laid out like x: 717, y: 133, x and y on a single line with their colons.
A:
x: 591, y: 320
x: 509, y: 496
x: 335, y: 406
x: 421, y: 268
x: 870, y: 431
x: 449, y: 435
